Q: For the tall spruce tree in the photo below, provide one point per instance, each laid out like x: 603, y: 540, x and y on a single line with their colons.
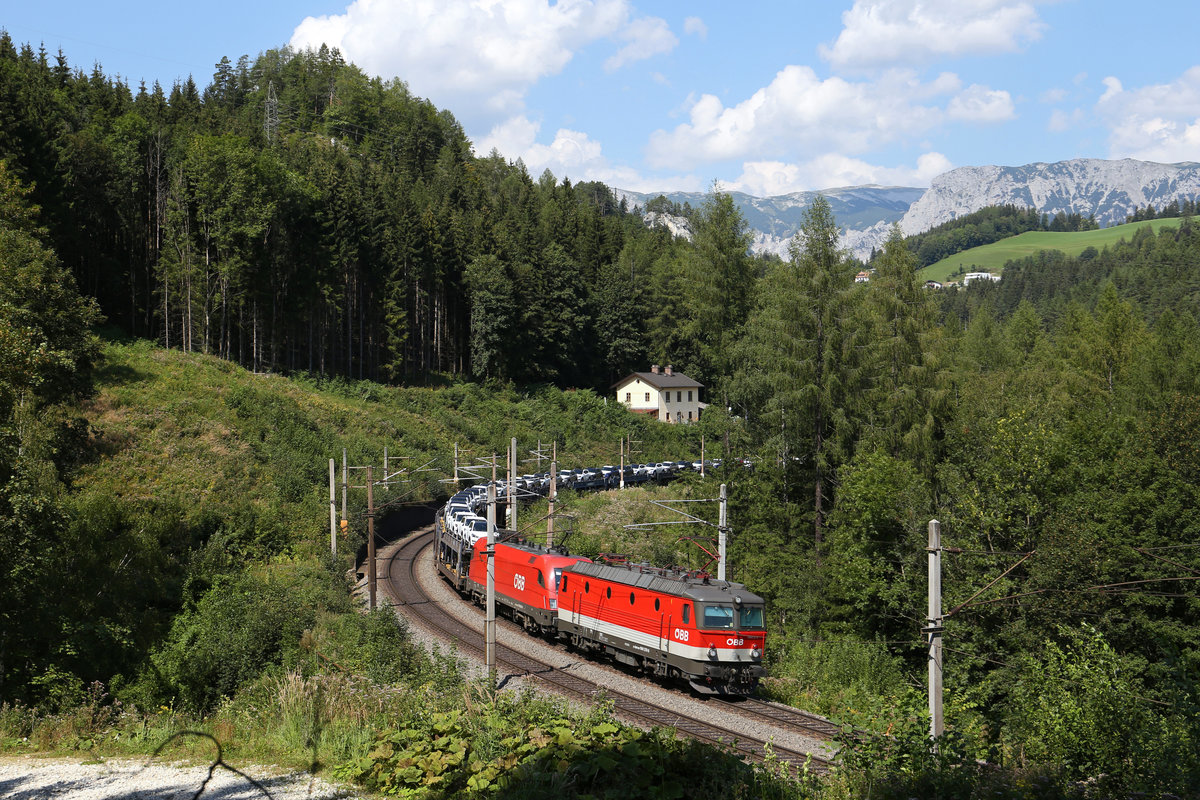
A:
x: 906, y: 394
x: 797, y: 366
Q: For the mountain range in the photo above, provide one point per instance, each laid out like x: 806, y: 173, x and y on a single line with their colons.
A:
x: 1106, y: 190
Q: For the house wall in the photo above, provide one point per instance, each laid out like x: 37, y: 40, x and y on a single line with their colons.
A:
x: 671, y: 405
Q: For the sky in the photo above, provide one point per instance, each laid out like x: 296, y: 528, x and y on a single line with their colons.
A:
x: 765, y: 97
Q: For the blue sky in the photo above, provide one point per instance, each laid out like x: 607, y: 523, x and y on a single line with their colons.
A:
x: 764, y: 97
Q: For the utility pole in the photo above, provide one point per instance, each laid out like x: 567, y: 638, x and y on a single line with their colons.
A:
x: 456, y: 465
x: 345, y: 487
x: 702, y: 455
x: 722, y: 533
x: 370, y: 538
x: 622, y: 462
x: 512, y: 485
x: 489, y: 625
x: 933, y: 629
x: 332, y: 507
x: 551, y: 497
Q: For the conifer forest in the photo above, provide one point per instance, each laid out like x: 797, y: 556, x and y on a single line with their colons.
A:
x: 294, y: 217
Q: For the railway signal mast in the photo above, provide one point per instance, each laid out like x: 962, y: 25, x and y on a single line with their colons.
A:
x: 489, y: 625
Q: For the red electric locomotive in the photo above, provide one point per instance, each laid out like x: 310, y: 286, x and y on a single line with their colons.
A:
x: 669, y: 623
x: 527, y: 579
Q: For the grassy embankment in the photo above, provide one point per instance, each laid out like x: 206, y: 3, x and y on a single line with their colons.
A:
x: 992, y: 257
x: 264, y: 650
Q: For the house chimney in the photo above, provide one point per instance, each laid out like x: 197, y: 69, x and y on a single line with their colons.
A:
x: 669, y: 370
x: 654, y: 369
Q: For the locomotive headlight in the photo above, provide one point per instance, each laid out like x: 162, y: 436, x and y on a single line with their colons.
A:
x: 755, y: 652
x: 712, y: 651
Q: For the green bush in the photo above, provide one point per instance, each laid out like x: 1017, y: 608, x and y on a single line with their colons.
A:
x: 531, y: 748
x: 239, y: 627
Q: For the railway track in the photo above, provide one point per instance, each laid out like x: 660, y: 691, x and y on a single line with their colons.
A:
x: 402, y: 579
x: 787, y: 717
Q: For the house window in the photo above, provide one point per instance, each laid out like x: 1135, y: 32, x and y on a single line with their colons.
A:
x: 628, y: 395
x: 689, y: 395
x: 666, y: 397
x: 647, y: 397
x: 689, y: 416
x: 679, y: 397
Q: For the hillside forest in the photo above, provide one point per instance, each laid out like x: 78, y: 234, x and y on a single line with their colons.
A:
x: 285, y: 262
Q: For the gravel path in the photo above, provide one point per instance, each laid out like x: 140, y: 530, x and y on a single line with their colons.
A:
x: 32, y: 778
x: 716, y: 712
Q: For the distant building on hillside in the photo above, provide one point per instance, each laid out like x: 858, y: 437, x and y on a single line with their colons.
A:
x: 979, y: 276
x: 862, y: 277
x: 932, y: 285
x: 663, y: 394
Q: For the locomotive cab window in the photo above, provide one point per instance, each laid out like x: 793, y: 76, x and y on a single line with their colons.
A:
x: 751, y: 617
x: 558, y: 579
x: 687, y: 614
x: 541, y: 580
x: 608, y: 593
x: 718, y: 617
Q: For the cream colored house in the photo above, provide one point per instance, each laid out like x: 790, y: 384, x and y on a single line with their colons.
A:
x: 662, y: 394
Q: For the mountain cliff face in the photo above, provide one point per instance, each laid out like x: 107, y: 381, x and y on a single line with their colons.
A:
x: 773, y: 221
x: 1107, y: 190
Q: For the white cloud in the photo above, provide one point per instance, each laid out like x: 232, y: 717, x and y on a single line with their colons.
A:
x: 830, y: 171
x: 1062, y: 121
x: 980, y: 104
x: 479, y: 57
x: 694, y: 26
x: 798, y: 111
x: 1112, y: 88
x: 571, y: 154
x: 880, y: 33
x: 1154, y: 123
x: 645, y: 37
x: 1053, y: 96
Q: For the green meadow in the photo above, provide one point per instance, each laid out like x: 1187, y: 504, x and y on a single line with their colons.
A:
x: 992, y: 257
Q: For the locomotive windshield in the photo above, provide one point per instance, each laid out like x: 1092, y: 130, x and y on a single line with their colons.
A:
x: 718, y: 617
x: 751, y: 618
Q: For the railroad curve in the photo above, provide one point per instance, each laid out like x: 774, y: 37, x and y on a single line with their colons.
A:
x: 404, y: 584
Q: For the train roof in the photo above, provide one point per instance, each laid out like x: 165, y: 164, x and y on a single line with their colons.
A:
x: 674, y: 582
x: 509, y: 538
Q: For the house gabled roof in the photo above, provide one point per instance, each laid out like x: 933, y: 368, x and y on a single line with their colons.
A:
x: 660, y: 380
